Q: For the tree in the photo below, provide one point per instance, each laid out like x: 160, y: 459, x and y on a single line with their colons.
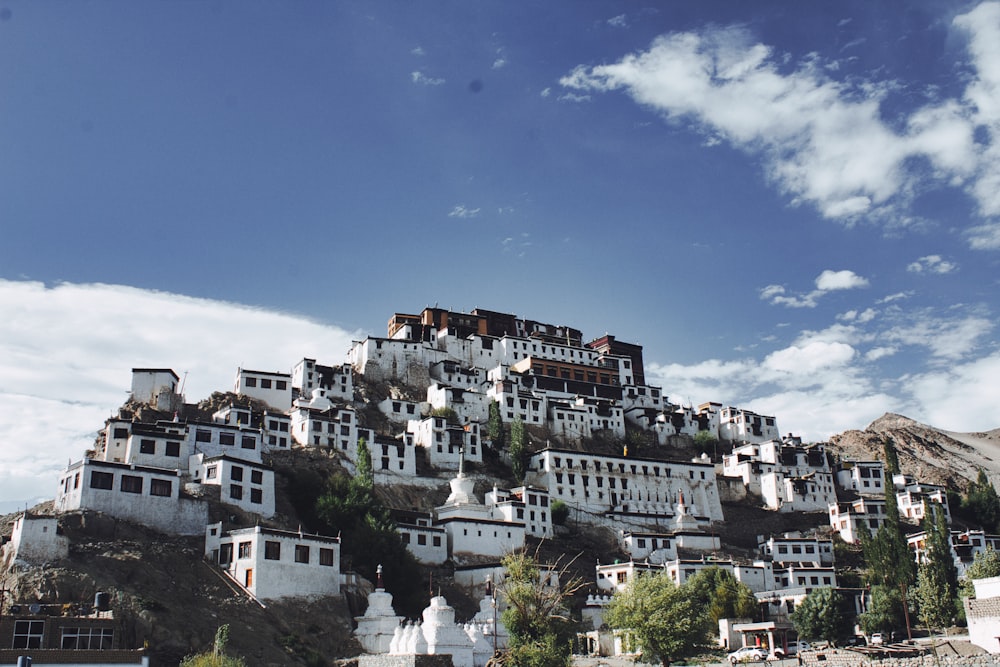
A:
x: 365, y: 472
x: 349, y: 507
x: 721, y: 595
x: 536, y: 614
x: 559, y: 511
x: 981, y: 502
x: 887, y: 556
x: 885, y: 610
x: 985, y: 564
x: 891, y: 459
x: 820, y: 616
x: 706, y: 441
x: 517, y: 450
x: 936, y: 577
x: 494, y: 427
x: 667, y: 621
x: 449, y: 414
x: 216, y: 657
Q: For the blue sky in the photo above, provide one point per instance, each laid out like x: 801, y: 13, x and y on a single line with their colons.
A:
x: 794, y: 207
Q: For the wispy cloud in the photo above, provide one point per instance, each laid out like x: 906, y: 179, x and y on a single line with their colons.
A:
x: 418, y: 51
x: 618, y: 21
x: 827, y: 281
x: 460, y: 211
x: 419, y: 77
x: 66, y: 354
x: 822, y: 141
x: 931, y: 264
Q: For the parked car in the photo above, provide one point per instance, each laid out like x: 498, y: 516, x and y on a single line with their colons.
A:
x: 793, y: 648
x: 877, y: 639
x: 747, y: 654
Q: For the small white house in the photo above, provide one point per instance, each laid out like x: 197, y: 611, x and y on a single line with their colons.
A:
x: 273, y: 388
x: 243, y: 484
x: 983, y: 614
x: 145, y: 495
x: 273, y: 564
x: 156, y: 387
x: 36, y: 540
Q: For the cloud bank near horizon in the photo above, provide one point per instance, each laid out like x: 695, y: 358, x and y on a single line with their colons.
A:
x: 66, y: 354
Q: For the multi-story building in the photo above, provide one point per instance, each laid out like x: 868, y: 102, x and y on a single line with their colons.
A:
x: 274, y: 389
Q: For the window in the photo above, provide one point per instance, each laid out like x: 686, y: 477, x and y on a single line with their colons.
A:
x: 280, y: 385
x: 225, y: 554
x: 211, y: 472
x: 87, y: 638
x: 256, y: 496
x: 227, y: 439
x: 265, y: 383
x: 422, y: 540
x: 246, y: 548
x: 28, y: 634
x: 251, y: 382
x: 235, y: 492
x: 173, y: 449
x: 120, y: 433
x: 101, y: 480
x: 147, y: 446
x: 160, y: 487
x: 236, y: 474
x: 249, y: 442
x: 131, y: 484
x: 326, y: 557
x: 201, y: 435
x: 272, y: 550
x: 301, y: 553
x: 256, y: 477
x: 437, y: 540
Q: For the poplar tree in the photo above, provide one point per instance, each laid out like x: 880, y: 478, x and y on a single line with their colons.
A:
x: 517, y: 451
x: 494, y: 427
x: 937, y: 578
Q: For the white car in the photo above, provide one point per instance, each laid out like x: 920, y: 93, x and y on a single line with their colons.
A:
x: 877, y: 639
x: 793, y: 648
x: 747, y: 654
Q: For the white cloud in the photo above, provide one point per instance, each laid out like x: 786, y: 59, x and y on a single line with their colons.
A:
x: 985, y: 237
x: 546, y: 92
x: 961, y: 398
x: 422, y: 79
x: 618, y: 21
x: 499, y: 63
x: 573, y: 97
x: 827, y: 281
x: 945, y: 338
x: 418, y: 51
x: 877, y: 353
x: 835, y: 280
x: 931, y: 264
x: 821, y: 141
x: 66, y: 355
x: 460, y: 211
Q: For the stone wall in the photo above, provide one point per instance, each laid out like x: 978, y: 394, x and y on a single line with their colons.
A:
x: 404, y: 661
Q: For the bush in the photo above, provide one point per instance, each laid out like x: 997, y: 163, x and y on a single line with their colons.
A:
x: 560, y: 512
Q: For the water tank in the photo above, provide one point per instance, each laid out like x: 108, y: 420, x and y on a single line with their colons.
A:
x: 102, y: 601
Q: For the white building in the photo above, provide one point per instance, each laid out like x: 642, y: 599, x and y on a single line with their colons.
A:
x: 791, y: 548
x: 273, y: 564
x: 428, y: 543
x: 156, y: 387
x: 913, y: 499
x: 272, y: 388
x: 163, y: 445
x: 36, y: 540
x: 850, y: 518
x: 144, y: 495
x: 471, y: 527
x: 446, y: 442
x: 243, y: 484
x: 336, y: 381
x: 983, y: 614
x: 739, y: 425
x: 864, y: 477
x: 811, y: 492
x: 642, y: 490
x: 524, y: 504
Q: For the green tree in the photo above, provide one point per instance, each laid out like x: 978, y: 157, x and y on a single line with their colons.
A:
x: 985, y: 564
x: 449, y: 414
x: 981, y: 503
x: 517, y: 449
x: 721, y: 595
x: 559, y: 512
x: 667, y: 621
x: 536, y: 615
x: 885, y: 610
x: 888, y: 559
x: 936, y: 577
x: 821, y: 616
x: 494, y: 427
x: 891, y: 459
x: 706, y: 441
x: 217, y: 656
x: 349, y: 508
x: 365, y: 472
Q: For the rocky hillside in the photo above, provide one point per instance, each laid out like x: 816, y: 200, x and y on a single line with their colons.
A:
x: 929, y: 454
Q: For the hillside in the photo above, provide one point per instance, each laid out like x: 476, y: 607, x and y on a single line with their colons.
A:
x: 168, y: 598
x: 929, y: 454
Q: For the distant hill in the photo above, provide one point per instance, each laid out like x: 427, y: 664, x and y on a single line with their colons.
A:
x: 930, y: 454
